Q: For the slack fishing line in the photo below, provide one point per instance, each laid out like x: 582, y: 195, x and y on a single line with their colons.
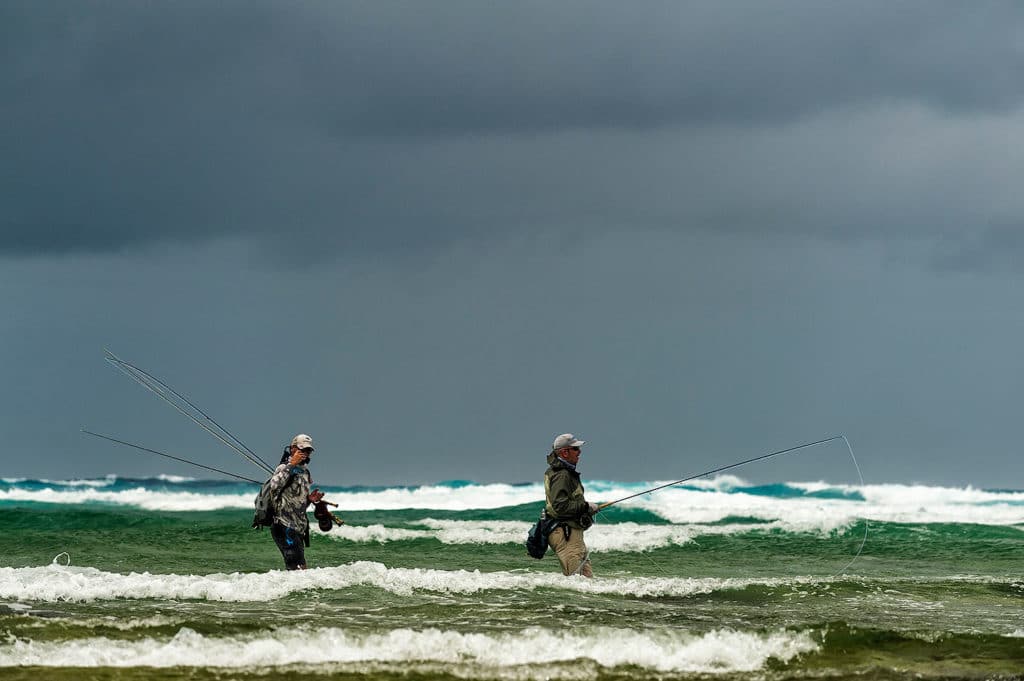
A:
x: 763, y: 457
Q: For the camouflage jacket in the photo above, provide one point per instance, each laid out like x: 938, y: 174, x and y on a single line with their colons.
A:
x: 563, y: 492
x: 290, y: 507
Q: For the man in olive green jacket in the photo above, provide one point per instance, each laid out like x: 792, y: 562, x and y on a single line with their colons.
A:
x: 564, y: 502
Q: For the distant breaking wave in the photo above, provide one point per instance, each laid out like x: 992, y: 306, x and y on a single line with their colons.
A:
x: 796, y: 506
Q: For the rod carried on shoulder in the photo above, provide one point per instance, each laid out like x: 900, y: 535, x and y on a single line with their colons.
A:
x: 186, y: 407
x: 195, y: 414
x: 320, y: 507
x: 724, y: 468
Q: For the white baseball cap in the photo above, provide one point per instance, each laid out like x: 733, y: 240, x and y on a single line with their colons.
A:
x: 302, y: 441
x: 566, y: 440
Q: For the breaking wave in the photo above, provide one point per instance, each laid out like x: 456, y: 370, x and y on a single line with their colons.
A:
x: 796, y: 506
x: 664, y: 650
x: 58, y: 583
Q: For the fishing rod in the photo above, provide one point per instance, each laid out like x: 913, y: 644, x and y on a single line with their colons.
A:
x: 180, y: 402
x: 849, y: 447
x: 725, y: 468
x: 193, y: 463
x: 176, y: 400
x: 176, y: 458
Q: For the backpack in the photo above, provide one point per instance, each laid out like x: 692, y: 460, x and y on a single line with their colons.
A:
x: 537, y: 538
x: 266, y: 504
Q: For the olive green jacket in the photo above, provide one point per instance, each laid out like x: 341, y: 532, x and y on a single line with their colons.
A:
x: 564, y: 493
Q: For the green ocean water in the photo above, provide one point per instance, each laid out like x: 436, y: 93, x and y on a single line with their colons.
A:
x: 156, y: 594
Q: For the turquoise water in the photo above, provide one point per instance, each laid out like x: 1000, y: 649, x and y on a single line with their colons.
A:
x: 164, y: 579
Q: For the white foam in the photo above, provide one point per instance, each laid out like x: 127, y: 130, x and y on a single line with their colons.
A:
x: 886, y: 503
x: 706, y: 502
x: 174, y: 478
x: 54, y: 583
x: 137, y: 496
x: 444, y: 531
x: 373, y: 533
x: 664, y: 650
x: 602, y: 537
x: 105, y: 482
x: 439, y: 497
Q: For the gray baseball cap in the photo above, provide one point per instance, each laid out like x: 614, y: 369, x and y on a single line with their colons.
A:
x: 566, y: 440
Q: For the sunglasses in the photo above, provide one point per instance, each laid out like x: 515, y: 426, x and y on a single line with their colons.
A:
x: 306, y: 450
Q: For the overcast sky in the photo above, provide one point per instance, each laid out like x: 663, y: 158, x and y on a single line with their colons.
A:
x: 436, y: 235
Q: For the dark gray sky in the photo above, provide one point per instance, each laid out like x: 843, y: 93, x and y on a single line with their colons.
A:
x: 435, y: 235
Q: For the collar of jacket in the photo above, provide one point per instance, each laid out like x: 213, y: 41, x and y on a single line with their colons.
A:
x: 556, y: 462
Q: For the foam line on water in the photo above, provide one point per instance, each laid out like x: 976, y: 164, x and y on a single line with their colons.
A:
x: 603, y: 537
x: 55, y: 583
x: 58, y: 583
x: 663, y: 650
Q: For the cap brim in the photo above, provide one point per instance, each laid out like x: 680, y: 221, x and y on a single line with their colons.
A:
x: 577, y: 443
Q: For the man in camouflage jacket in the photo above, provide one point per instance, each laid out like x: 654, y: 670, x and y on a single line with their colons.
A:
x: 290, y: 489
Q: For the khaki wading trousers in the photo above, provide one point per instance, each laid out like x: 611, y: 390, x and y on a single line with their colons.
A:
x: 571, y: 552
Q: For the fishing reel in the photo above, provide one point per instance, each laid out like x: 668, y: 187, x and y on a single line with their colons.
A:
x: 324, y: 518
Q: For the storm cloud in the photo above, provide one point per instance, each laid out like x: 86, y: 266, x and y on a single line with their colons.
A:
x: 362, y: 128
x: 434, y: 235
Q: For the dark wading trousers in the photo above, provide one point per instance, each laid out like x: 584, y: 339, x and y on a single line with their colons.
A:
x: 291, y: 544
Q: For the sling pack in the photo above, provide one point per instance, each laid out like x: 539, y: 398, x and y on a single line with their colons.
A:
x: 266, y: 504
x: 537, y: 538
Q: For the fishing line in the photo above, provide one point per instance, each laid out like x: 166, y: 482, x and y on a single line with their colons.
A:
x: 586, y: 559
x: 161, y: 390
x: 176, y: 458
x: 338, y: 520
x: 748, y: 461
x: 725, y: 468
x: 865, y: 539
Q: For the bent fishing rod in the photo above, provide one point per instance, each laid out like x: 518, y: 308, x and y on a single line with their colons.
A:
x: 725, y: 468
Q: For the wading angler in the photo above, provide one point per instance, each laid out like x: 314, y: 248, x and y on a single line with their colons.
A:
x: 567, y: 512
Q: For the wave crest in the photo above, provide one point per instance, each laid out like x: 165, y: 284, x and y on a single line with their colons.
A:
x: 664, y: 650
